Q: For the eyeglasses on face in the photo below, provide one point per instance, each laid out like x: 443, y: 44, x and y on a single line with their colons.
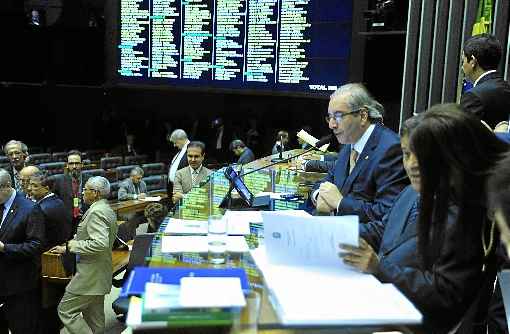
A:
x: 339, y: 116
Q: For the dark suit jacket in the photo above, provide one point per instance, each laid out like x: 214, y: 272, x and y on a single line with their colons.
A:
x: 57, y: 219
x: 22, y: 232
x: 489, y: 100
x: 319, y: 166
x: 63, y: 187
x: 246, y: 157
x: 444, y: 293
x: 376, y: 180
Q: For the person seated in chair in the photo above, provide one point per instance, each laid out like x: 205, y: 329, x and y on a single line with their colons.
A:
x: 188, y: 177
x: 244, y: 153
x: 133, y: 187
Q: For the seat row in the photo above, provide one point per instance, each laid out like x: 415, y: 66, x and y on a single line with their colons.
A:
x: 104, y: 162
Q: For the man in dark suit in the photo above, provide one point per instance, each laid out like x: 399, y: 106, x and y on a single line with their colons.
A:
x: 244, y: 153
x: 57, y: 218
x: 69, y: 186
x: 489, y: 99
x: 17, y: 154
x: 21, y: 241
x: 368, y: 174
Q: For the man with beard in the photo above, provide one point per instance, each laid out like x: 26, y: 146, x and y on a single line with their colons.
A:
x: 69, y: 186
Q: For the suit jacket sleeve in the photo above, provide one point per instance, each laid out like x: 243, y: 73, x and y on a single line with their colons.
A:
x: 390, y: 178
x: 373, y: 231
x: 98, y: 229
x: 472, y: 104
x: 178, y: 183
x: 123, y: 193
x: 440, y: 292
x: 32, y: 245
x: 319, y: 166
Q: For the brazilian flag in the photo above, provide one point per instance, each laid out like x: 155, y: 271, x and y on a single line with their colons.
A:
x: 483, y: 22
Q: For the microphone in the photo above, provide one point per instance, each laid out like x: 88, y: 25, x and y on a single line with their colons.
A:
x: 325, y: 140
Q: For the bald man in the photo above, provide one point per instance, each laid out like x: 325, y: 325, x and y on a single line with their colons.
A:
x: 24, y: 176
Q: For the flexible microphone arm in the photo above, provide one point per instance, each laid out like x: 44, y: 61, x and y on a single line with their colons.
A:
x: 317, y: 145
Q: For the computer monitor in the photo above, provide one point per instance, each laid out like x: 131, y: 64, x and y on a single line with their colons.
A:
x: 238, y: 184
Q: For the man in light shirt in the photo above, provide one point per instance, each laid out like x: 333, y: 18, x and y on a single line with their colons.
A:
x: 179, y: 139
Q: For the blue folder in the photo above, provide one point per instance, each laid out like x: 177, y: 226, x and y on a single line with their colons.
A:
x: 135, y: 284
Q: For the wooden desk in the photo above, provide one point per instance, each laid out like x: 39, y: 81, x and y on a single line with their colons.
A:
x: 53, y: 270
x: 134, y: 205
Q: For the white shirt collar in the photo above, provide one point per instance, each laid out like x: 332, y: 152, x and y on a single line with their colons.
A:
x: 7, y: 206
x: 360, y: 144
x: 47, y: 195
x: 481, y: 76
x: 197, y: 170
x: 174, y: 166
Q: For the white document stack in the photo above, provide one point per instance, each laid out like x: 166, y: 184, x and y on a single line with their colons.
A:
x: 308, y: 283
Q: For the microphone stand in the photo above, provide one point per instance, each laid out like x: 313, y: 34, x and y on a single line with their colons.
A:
x: 280, y: 150
x: 279, y: 161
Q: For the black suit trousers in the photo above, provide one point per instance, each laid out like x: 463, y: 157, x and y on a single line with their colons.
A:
x: 21, y: 313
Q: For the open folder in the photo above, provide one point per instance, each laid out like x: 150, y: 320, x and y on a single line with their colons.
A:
x: 308, y: 283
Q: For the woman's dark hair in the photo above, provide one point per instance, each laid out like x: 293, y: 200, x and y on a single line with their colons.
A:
x: 455, y: 153
x: 499, y: 187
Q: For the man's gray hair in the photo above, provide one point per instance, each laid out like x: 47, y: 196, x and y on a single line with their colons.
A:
x: 359, y: 97
x: 5, y: 178
x: 136, y: 171
x: 17, y: 143
x: 178, y: 134
x: 100, y: 184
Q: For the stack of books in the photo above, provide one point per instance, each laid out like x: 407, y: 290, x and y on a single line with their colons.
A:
x: 183, y: 297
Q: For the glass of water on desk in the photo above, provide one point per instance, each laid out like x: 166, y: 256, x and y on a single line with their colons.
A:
x: 217, y: 239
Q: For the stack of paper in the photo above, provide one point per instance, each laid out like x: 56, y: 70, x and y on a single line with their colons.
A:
x: 311, y: 140
x: 310, y: 285
x: 199, y: 244
x: 236, y: 225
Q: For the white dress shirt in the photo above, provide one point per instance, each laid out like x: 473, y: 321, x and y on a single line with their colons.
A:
x: 174, y: 165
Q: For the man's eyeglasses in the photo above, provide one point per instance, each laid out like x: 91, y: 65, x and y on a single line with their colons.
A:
x: 339, y: 116
x: 88, y: 189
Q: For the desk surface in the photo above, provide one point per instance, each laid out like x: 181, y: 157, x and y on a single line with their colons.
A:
x: 134, y: 205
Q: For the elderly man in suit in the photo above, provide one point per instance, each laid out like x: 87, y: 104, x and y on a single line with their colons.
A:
x: 132, y: 187
x: 368, y: 174
x: 69, y: 186
x: 17, y: 153
x: 21, y: 241
x: 489, y: 99
x: 92, y: 245
x: 25, y: 175
x: 189, y: 177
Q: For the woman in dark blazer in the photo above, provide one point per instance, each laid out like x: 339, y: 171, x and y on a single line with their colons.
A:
x: 448, y: 278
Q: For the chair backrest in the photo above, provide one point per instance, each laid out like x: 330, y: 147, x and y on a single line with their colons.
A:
x: 155, y: 182
x: 59, y: 156
x: 40, y: 158
x: 53, y: 168
x: 114, y: 189
x: 123, y: 171
x: 93, y: 155
x: 135, y: 159
x: 86, y: 174
x: 140, y: 251
x: 4, y: 162
x: 157, y: 168
x: 110, y: 162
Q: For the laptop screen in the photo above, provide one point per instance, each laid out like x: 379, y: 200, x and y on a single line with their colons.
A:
x: 239, y: 185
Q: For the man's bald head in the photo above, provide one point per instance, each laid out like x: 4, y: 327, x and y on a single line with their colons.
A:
x: 25, y: 175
